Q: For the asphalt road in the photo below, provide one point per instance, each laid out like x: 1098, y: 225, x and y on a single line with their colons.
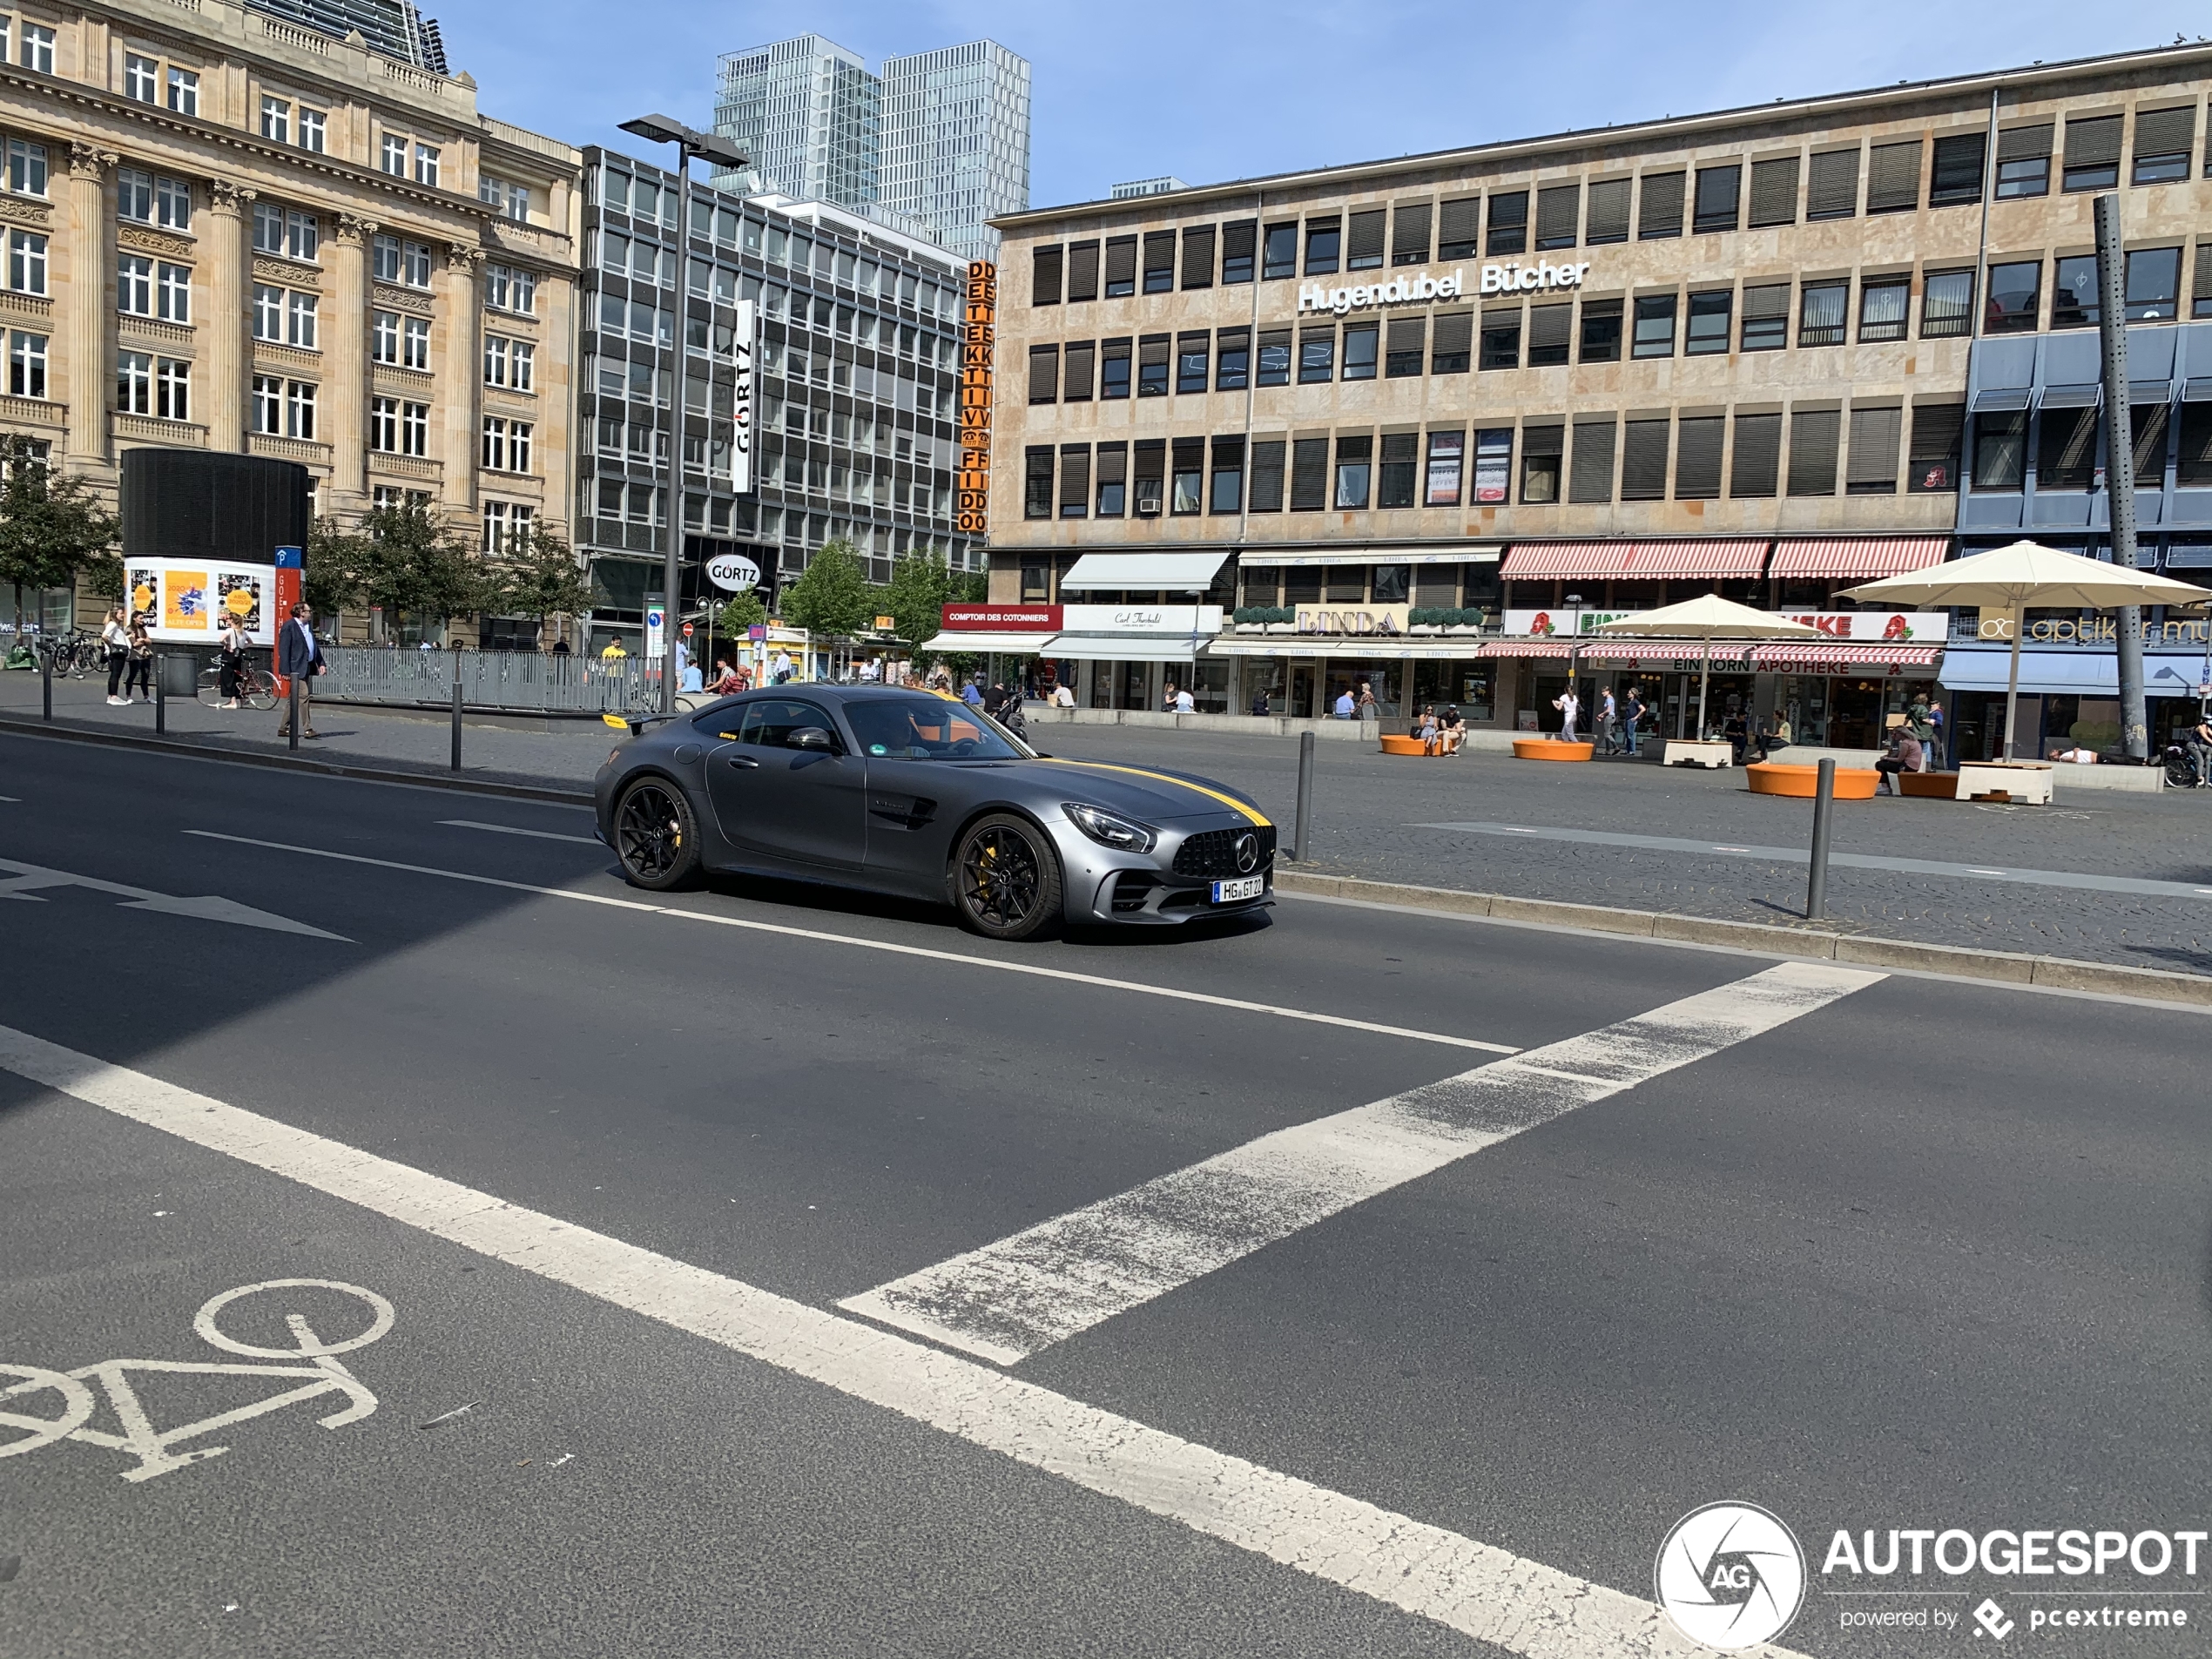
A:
x: 1911, y: 1254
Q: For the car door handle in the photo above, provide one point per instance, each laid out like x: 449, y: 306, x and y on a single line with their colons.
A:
x: 746, y: 761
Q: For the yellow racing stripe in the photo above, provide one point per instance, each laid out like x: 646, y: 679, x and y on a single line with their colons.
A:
x: 1229, y: 801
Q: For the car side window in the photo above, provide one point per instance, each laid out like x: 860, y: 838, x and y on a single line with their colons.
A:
x: 769, y: 723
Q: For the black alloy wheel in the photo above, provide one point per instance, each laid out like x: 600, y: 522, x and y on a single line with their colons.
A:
x: 1006, y: 878
x: 655, y: 838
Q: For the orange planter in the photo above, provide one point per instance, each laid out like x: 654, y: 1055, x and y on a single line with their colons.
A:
x: 1397, y: 744
x: 1853, y: 783
x: 1551, y: 749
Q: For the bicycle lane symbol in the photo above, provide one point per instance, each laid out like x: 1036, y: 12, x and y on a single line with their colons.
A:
x: 320, y: 1370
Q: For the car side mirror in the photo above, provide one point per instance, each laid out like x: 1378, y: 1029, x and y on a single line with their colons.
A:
x: 812, y: 736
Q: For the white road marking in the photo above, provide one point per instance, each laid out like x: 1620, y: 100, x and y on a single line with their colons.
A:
x: 1050, y: 1282
x: 1031, y: 968
x: 1520, y: 1605
x: 208, y: 907
x: 509, y: 829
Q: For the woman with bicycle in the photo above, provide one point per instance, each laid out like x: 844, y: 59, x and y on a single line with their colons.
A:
x: 140, y: 670
x: 116, y: 637
x: 230, y: 657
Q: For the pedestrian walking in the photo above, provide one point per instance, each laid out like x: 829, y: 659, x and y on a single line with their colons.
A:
x: 1920, y: 722
x: 139, y: 670
x: 230, y: 658
x: 1259, y: 704
x: 2199, y: 742
x: 1609, y: 722
x: 1568, y: 705
x: 116, y: 636
x: 1634, y: 716
x: 1366, y: 708
x: 300, y: 659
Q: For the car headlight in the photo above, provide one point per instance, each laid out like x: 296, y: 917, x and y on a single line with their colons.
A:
x: 1110, y: 829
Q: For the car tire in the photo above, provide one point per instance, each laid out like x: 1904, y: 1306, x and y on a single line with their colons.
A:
x: 1006, y: 878
x: 656, y: 836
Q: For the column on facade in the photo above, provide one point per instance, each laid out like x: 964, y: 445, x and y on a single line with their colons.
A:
x: 89, y: 300
x: 223, y: 367
x: 345, y: 395
x: 464, y: 372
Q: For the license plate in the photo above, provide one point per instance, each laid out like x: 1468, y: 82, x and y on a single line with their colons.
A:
x: 1250, y: 887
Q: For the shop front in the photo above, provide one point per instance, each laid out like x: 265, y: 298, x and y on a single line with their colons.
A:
x: 2068, y: 696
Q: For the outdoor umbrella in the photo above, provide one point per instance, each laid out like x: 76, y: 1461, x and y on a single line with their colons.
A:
x: 1707, y: 618
x: 2013, y: 578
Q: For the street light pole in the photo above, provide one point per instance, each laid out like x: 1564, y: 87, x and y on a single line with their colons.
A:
x: 690, y: 143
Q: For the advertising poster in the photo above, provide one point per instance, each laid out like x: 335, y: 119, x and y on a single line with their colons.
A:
x: 1493, y: 465
x: 188, y: 602
x: 185, y: 607
x: 240, y: 596
x: 1444, y: 457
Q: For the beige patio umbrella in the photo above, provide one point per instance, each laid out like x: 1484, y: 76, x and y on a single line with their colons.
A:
x: 1707, y: 618
x: 2013, y: 578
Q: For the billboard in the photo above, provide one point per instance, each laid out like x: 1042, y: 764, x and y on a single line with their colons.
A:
x: 189, y: 600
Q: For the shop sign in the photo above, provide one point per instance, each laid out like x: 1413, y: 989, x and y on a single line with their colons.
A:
x: 1511, y: 277
x: 733, y: 573
x: 978, y: 344
x: 1141, y: 619
x: 1546, y: 625
x: 2088, y: 630
x: 1355, y: 621
x: 1877, y: 627
x: 999, y: 619
x: 743, y: 333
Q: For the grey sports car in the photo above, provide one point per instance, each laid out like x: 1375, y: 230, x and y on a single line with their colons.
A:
x: 907, y: 793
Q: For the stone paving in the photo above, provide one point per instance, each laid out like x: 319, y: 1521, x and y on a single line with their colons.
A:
x: 1369, y: 811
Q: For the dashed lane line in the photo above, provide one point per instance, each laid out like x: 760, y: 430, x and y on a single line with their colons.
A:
x: 1490, y: 1595
x: 1035, y: 970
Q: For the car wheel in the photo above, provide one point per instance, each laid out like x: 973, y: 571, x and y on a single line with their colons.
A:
x: 655, y: 839
x: 1006, y: 878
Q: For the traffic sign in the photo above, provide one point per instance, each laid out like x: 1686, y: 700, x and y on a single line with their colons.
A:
x: 687, y: 630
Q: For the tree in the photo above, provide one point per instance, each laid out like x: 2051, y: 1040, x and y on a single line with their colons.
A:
x: 833, y: 596
x: 541, y: 577
x: 417, y: 566
x: 335, y: 568
x: 921, y: 585
x: 52, y: 526
x: 738, y: 612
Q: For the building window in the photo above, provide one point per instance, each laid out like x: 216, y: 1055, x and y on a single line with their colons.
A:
x: 1225, y: 484
x: 1354, y: 464
x: 1075, y: 492
x: 1607, y: 217
x: 1045, y: 265
x: 2023, y: 162
x: 1601, y: 332
x: 1458, y: 227
x: 1754, y: 468
x: 511, y: 200
x: 1044, y: 373
x: 510, y: 363
x: 1654, y: 335
x: 1186, y: 482
x: 392, y: 156
x: 1452, y: 343
x: 1363, y: 246
x: 1406, y: 348
x: 1151, y: 466
x: 1036, y: 486
x: 1947, y: 305
x: 1590, y: 481
x: 134, y: 383
x: 302, y: 236
x: 415, y: 344
x: 1447, y: 452
x: 1232, y: 360
x: 299, y: 410
x: 276, y: 120
x: 1766, y: 317
x: 1697, y: 457
x: 1815, y: 436
x: 1152, y: 365
x: 299, y: 319
x: 1956, y: 176
x: 1159, y: 261
x: 1711, y: 317
x: 2065, y: 448
x: 1197, y: 256
x: 1893, y: 177
x: 507, y: 288
x: 1508, y: 222
x: 173, y: 389
x: 1719, y: 199
x: 1822, y: 313
x: 1643, y: 460
x: 1932, y: 466
x: 1114, y: 368
x: 268, y: 313
x: 26, y: 167
x: 2015, y: 297
x: 2092, y: 154
x: 184, y: 91
x: 1362, y: 343
x: 1193, y: 362
x: 1324, y: 245
x: 1501, y: 340
x: 1266, y: 495
x: 268, y: 406
x: 313, y: 123
x: 1278, y: 252
x: 2154, y: 283
x: 1774, y: 191
x: 1409, y: 233
x: 134, y: 285
x: 1871, y: 469
x: 383, y: 423
x: 2001, y: 451
x: 1543, y: 445
x: 384, y: 258
x: 1080, y: 366
x: 1400, y: 472
x: 26, y: 262
x: 39, y: 54
x: 172, y: 204
x: 141, y: 78
x: 1559, y: 212
x: 1113, y: 480
x: 1832, y: 185
x: 1317, y: 354
x: 2073, y: 294
x: 172, y: 292
x: 1659, y: 206
x: 414, y: 429
x: 2163, y: 140
x: 269, y: 228
x: 134, y: 195
x: 507, y: 444
x: 425, y: 164
x: 26, y: 364
x: 1120, y: 266
x: 1274, y: 357
x: 1309, y: 475
x: 1882, y: 307
x: 383, y: 336
x: 1550, y: 330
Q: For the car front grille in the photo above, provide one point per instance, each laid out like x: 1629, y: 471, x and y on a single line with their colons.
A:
x: 1213, y: 852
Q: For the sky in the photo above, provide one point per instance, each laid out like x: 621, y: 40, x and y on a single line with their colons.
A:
x: 1226, y: 89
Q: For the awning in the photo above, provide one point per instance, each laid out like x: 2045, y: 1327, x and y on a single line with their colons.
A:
x: 1020, y: 644
x: 1813, y: 655
x: 1726, y: 653
x: 1176, y: 572
x: 1485, y: 555
x: 1862, y: 556
x: 1527, y: 648
x: 2084, y: 395
x: 1684, y: 556
x: 2057, y: 673
x: 1126, y: 648
x: 1399, y: 649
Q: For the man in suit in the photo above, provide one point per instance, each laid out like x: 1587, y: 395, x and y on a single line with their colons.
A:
x: 300, y: 659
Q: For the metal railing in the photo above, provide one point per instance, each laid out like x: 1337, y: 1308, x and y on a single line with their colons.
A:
x: 522, y: 682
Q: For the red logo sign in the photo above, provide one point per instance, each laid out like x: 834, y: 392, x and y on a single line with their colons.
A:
x: 1001, y: 619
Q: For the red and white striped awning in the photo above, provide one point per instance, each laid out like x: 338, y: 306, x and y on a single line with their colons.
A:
x: 1727, y: 653
x: 1527, y: 647
x: 1692, y: 556
x: 1862, y: 556
x: 1809, y: 655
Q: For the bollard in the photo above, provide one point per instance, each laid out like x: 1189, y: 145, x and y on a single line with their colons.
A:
x: 1300, y: 849
x: 160, y: 700
x: 1823, y: 810
x: 456, y: 723
x: 292, y: 722
x: 46, y: 682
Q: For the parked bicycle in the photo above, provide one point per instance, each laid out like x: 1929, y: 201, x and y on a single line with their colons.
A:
x: 74, y: 655
x: 257, y: 687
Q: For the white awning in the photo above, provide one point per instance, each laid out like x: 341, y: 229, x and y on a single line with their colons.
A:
x: 1126, y: 648
x: 1021, y: 644
x: 1143, y: 572
x: 1401, y: 650
x: 1487, y: 554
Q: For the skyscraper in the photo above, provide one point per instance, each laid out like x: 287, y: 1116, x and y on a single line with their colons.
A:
x: 935, y: 145
x: 394, y: 28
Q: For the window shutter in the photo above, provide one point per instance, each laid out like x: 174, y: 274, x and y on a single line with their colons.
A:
x: 1893, y: 177
x: 2092, y: 143
x: 2024, y: 143
x: 1309, y: 475
x: 1643, y: 460
x: 2165, y: 132
x: 1759, y: 451
x: 1719, y: 201
x: 1458, y: 227
x: 1770, y: 300
x: 1152, y: 353
x: 1607, y: 220
x: 1814, y: 434
x: 1078, y: 376
x: 1409, y: 233
x: 1240, y: 241
x: 1082, y: 271
x: 1159, y: 255
x: 1934, y: 455
x: 1044, y: 280
x: 2201, y: 282
x: 1363, y: 242
x: 1405, y: 335
x: 1121, y: 263
x: 1831, y: 187
x: 1455, y: 340
x: 1871, y: 469
x: 1957, y: 174
x: 1036, y: 483
x: 1550, y: 326
x: 1774, y: 191
x: 1659, y: 213
x: 1509, y: 221
x: 1267, y: 476
x: 1075, y: 480
x: 1558, y: 209
x: 1044, y: 373
x: 1697, y: 458
x: 1592, y: 462
x: 1197, y: 256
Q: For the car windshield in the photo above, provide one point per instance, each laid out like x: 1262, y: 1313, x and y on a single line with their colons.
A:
x: 927, y: 728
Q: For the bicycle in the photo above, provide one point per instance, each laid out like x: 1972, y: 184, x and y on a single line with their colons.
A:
x: 73, y: 655
x: 257, y: 687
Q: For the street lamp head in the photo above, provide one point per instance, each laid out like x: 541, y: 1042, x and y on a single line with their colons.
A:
x: 710, y: 146
x: 658, y: 129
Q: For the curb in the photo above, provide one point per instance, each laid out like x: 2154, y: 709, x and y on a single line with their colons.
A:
x: 2004, y: 968
x: 286, y: 763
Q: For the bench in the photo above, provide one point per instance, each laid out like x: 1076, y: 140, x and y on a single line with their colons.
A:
x: 1932, y: 786
x: 1551, y: 749
x: 1767, y: 778
x: 2010, y: 780
x: 1699, y: 751
x: 1398, y: 744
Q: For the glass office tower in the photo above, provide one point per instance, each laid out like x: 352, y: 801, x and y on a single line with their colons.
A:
x: 956, y: 141
x: 810, y: 116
